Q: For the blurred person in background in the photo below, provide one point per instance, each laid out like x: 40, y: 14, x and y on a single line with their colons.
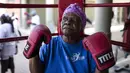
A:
x: 16, y: 24
x: 34, y: 19
x: 7, y: 49
x: 16, y: 28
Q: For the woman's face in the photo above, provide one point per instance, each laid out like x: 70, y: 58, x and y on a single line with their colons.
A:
x: 71, y: 24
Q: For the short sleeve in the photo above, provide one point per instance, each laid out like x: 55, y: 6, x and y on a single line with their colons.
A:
x: 91, y: 63
x: 43, y: 52
x: 2, y: 32
x: 2, y: 35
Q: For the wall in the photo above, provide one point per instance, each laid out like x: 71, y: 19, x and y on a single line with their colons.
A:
x: 120, y: 10
x: 90, y: 10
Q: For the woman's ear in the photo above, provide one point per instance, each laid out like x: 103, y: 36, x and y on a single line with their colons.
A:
x: 81, y: 26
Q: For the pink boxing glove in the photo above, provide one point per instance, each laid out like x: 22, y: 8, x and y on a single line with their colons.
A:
x: 39, y: 34
x: 100, y: 47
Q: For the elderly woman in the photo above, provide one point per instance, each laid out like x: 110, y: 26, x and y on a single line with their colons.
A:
x: 65, y: 53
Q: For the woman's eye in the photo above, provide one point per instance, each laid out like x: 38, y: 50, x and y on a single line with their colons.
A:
x: 73, y: 20
x: 65, y: 19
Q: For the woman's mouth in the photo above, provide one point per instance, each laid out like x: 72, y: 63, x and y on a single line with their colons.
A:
x: 67, y: 27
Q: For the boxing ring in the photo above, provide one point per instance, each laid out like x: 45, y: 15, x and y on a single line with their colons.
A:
x: 2, y: 5
x: 6, y: 5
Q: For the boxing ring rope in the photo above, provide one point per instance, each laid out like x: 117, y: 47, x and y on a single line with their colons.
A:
x: 18, y: 38
x: 108, y: 5
x: 3, y: 5
x: 54, y: 34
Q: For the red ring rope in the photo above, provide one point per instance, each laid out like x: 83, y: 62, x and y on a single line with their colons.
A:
x: 2, y: 5
x: 54, y: 34
x: 108, y: 5
x: 18, y: 38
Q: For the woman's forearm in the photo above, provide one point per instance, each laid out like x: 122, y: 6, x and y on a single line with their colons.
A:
x: 35, y: 65
x: 97, y: 71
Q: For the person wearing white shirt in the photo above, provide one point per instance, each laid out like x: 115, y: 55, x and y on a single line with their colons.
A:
x: 16, y: 24
x: 35, y: 19
x: 7, y: 49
